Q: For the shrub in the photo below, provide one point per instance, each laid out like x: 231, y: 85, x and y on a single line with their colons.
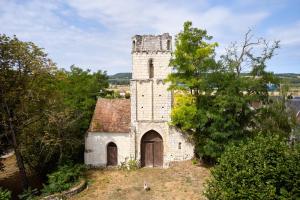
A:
x: 29, y: 194
x: 64, y: 178
x: 195, y: 161
x: 5, y: 194
x: 133, y: 164
x: 129, y: 165
x: 127, y: 95
x: 261, y: 168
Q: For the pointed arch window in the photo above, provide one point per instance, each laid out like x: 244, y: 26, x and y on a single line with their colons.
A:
x: 151, y: 68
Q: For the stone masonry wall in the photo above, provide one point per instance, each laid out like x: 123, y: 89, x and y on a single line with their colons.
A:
x: 96, y: 147
x: 150, y: 43
x: 140, y: 64
x: 161, y: 101
x: 180, y: 148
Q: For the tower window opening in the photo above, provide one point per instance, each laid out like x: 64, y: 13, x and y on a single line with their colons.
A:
x: 168, y: 45
x: 179, y: 145
x: 151, y: 68
x: 133, y: 45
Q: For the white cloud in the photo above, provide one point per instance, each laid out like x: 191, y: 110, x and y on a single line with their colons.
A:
x: 107, y: 45
x: 288, y: 35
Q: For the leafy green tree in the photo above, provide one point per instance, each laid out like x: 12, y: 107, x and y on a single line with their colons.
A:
x: 80, y: 89
x: 25, y: 72
x: 44, y: 112
x: 60, y: 135
x: 218, y: 108
x: 265, y: 167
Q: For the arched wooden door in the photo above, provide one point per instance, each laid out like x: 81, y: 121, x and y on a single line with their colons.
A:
x: 152, y: 149
x: 112, y: 154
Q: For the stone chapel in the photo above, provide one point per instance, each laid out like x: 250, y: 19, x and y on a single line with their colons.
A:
x: 138, y: 128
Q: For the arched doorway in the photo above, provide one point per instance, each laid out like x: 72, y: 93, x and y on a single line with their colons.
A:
x: 152, y: 149
x: 112, y: 154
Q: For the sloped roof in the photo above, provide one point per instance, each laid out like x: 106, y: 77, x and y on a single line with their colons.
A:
x: 294, y: 105
x: 111, y: 115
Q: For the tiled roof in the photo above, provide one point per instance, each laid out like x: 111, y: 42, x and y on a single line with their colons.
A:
x: 111, y: 115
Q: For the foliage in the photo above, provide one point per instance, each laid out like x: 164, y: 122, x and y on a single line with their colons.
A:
x: 66, y: 120
x: 130, y: 165
x: 127, y: 95
x: 39, y: 101
x: 214, y: 104
x: 64, y: 178
x: 112, y: 94
x: 29, y: 194
x: 25, y: 76
x: 184, y: 111
x: 195, y: 161
x: 133, y: 164
x: 261, y: 168
x: 4, y: 194
x: 80, y: 90
x: 275, y: 117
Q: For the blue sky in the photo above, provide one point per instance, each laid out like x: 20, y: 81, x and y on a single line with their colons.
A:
x: 96, y: 34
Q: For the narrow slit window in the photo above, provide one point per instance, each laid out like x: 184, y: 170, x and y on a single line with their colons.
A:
x: 168, y: 45
x: 179, y: 145
x: 151, y: 68
x: 133, y: 45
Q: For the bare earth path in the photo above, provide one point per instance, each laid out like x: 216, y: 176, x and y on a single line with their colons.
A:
x: 181, y: 181
x: 10, y: 178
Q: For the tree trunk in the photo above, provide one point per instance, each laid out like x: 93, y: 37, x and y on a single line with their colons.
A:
x: 20, y: 162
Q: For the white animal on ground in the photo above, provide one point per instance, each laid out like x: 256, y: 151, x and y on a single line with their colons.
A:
x: 146, y: 187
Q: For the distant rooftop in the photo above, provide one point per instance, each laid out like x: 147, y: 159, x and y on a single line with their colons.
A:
x: 294, y: 105
x: 152, y: 43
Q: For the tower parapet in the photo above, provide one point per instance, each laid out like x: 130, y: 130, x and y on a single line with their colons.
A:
x: 152, y: 43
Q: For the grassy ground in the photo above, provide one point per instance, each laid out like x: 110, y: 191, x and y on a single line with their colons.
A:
x: 181, y: 181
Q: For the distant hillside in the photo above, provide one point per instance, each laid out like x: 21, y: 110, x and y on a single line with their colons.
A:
x: 126, y: 75
x: 124, y: 78
x: 290, y: 78
x: 120, y: 78
x: 288, y: 75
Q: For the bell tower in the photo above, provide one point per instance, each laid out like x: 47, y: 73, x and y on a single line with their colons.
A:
x: 150, y: 98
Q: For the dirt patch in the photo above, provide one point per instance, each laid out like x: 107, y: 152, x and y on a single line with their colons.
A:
x: 181, y: 181
x: 10, y: 177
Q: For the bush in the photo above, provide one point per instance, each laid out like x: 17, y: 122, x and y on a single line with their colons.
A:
x: 29, y: 194
x: 195, y: 161
x: 129, y: 165
x: 127, y: 95
x: 64, y: 178
x: 5, y: 194
x: 262, y: 168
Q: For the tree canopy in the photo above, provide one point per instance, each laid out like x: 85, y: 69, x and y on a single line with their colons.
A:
x: 44, y: 111
x: 217, y: 104
x: 265, y: 167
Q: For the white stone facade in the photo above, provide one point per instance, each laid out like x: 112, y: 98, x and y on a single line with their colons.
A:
x: 151, y: 104
x: 96, y: 147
